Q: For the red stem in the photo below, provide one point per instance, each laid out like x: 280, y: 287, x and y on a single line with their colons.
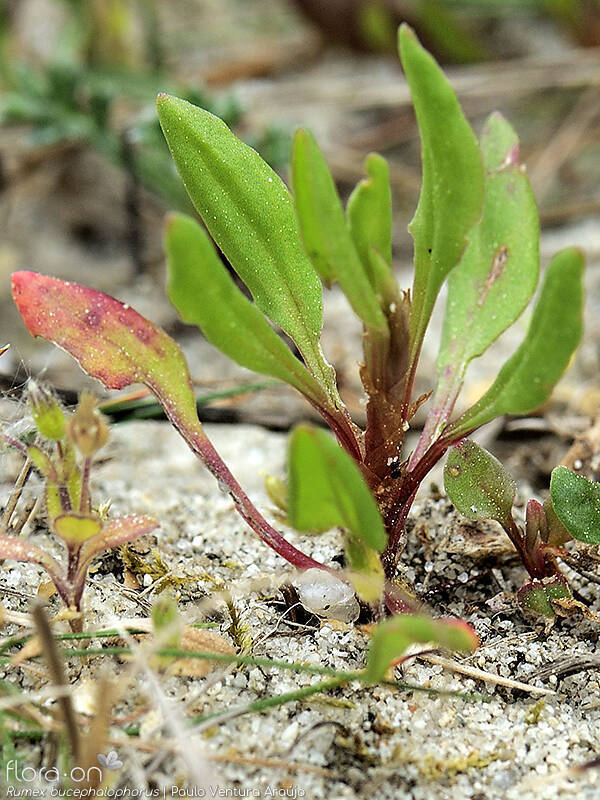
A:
x: 198, y: 442
x: 402, y: 506
x: 342, y: 428
x: 84, y: 502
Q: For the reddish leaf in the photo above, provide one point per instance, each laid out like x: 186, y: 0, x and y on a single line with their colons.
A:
x: 18, y: 549
x: 115, y: 344
x: 536, y: 597
x: 111, y: 341
x: 114, y: 534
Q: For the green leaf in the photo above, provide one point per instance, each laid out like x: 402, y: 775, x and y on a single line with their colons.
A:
x: 499, y: 143
x: 452, y: 189
x: 205, y: 295
x: 536, y: 596
x: 526, y: 380
x: 76, y: 528
x: 478, y: 484
x: 325, y: 232
x: 499, y: 270
x: 326, y: 489
x: 393, y: 636
x: 576, y: 501
x: 369, y: 215
x: 250, y: 215
x: 496, y: 276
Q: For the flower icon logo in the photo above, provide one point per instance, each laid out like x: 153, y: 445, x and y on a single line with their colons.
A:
x: 110, y: 761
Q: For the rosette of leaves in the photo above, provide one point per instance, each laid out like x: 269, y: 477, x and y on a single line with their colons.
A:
x: 476, y: 228
x: 64, y: 459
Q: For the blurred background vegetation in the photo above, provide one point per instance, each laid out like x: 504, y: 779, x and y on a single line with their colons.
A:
x: 85, y: 176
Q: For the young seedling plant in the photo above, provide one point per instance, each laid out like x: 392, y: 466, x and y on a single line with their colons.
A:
x: 64, y: 460
x: 481, y: 488
x: 476, y: 227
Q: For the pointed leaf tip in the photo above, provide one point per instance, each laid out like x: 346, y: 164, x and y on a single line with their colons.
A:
x: 451, y: 159
x: 406, y: 32
x: 325, y: 234
x: 249, y: 213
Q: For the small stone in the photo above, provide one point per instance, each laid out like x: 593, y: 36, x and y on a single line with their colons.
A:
x: 323, y: 594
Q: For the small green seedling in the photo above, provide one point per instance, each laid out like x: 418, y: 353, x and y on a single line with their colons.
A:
x: 64, y: 459
x: 476, y: 227
x: 481, y: 488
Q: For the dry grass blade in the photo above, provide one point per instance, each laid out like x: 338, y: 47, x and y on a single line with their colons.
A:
x: 97, y: 735
x: 57, y: 673
x: 173, y: 746
x: 538, y: 781
x: 15, y: 496
x: 190, y: 748
x: 198, y: 639
x: 571, y: 665
x: 565, y: 142
x: 481, y: 675
x: 50, y: 693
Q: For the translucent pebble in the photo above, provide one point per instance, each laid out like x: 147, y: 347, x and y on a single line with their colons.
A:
x: 323, y: 594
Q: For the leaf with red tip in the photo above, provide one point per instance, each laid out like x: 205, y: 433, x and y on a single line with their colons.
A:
x: 111, y: 341
x: 392, y: 637
x: 536, y: 597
